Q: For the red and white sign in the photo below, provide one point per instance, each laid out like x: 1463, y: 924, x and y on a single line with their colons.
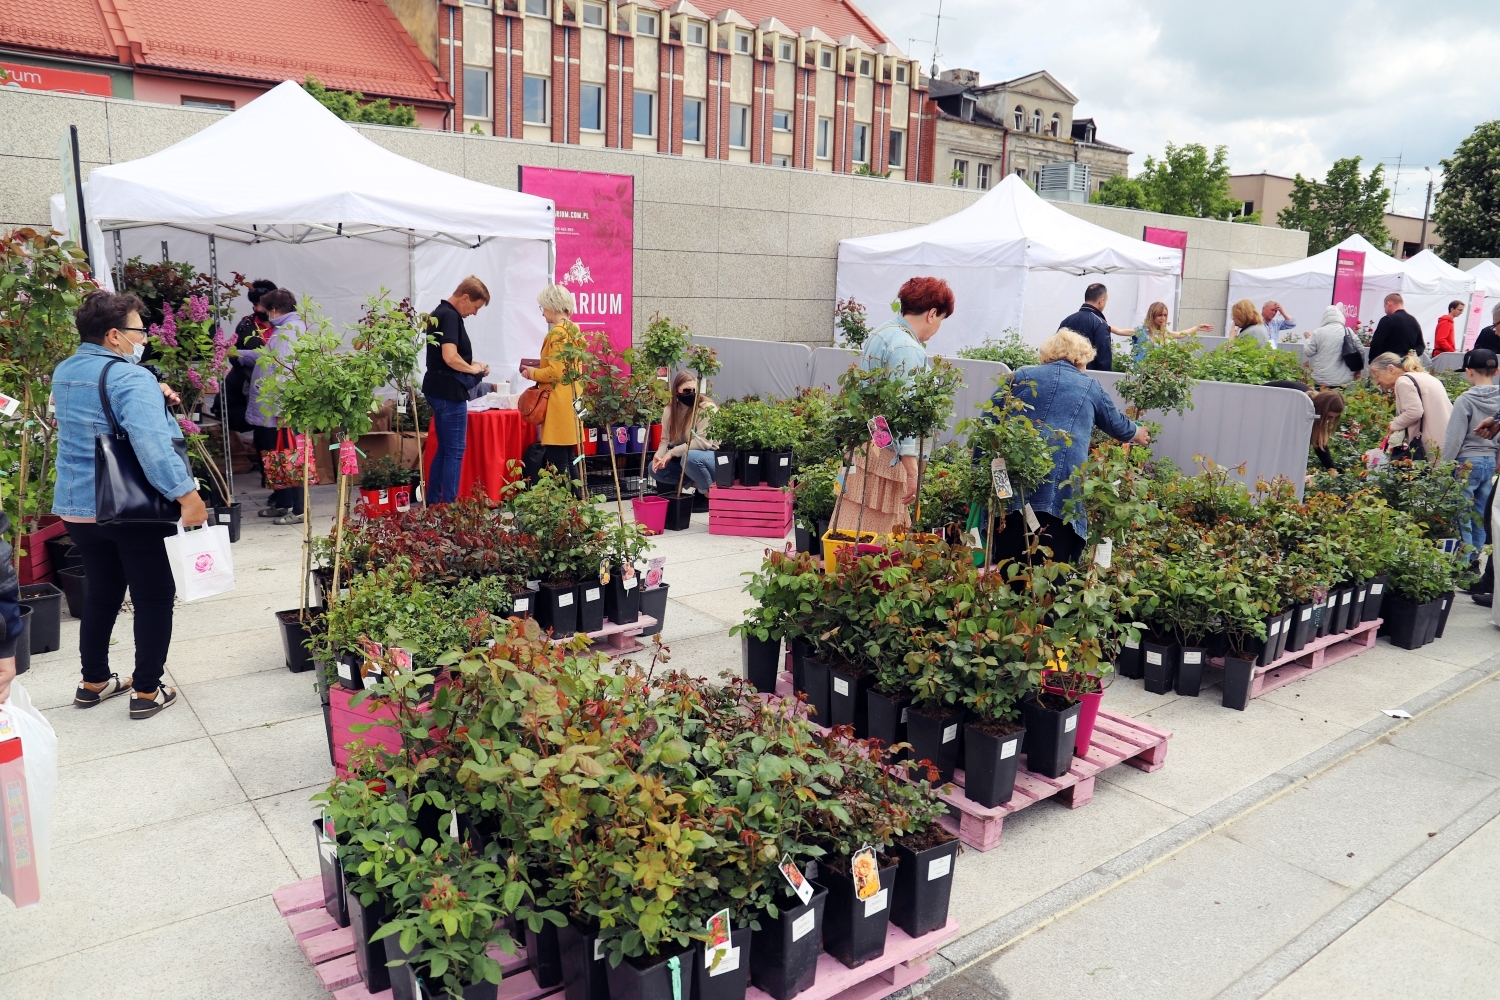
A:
x: 595, y: 236
x: 1348, y: 284
x: 1476, y: 319
x: 65, y: 80
x: 1168, y: 238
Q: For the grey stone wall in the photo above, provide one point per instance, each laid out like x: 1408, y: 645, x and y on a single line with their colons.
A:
x: 733, y: 250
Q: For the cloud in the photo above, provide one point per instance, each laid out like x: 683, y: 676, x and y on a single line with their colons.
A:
x: 1288, y: 86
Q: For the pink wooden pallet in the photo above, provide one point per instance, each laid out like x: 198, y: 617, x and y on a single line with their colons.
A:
x: 1316, y: 655
x: 618, y: 640
x: 754, y: 511
x: 330, y: 949
x: 1117, y: 739
x: 904, y: 962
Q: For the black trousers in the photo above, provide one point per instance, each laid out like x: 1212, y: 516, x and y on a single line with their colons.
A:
x: 560, y: 457
x: 117, y: 557
x: 1010, y: 539
x: 291, y: 498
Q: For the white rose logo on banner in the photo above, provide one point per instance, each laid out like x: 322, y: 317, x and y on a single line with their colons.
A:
x: 578, y: 274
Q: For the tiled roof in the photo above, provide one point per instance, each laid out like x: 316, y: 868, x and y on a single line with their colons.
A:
x: 835, y: 18
x: 345, y: 44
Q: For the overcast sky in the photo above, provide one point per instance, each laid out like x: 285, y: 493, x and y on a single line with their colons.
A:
x: 1287, y: 86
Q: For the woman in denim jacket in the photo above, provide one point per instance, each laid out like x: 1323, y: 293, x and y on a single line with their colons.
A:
x: 117, y: 556
x: 1067, y: 404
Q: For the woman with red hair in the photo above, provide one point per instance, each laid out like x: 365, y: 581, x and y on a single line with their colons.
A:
x: 879, y: 491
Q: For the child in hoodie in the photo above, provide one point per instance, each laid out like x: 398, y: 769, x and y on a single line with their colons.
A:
x: 1462, y: 444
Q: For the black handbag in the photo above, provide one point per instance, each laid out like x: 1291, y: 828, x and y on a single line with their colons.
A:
x: 1352, y: 356
x: 122, y: 493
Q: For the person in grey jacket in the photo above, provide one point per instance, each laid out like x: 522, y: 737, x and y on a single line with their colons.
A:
x: 10, y: 612
x: 1325, y: 349
x: 1462, y: 444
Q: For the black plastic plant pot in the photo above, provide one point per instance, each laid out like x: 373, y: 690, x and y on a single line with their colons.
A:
x: 853, y: 928
x: 1406, y: 621
x: 887, y: 717
x: 679, y: 512
x: 229, y: 516
x: 1346, y: 609
x: 784, y: 952
x: 590, y: 599
x: 1302, y: 628
x: 778, y: 468
x: 1320, y: 618
x: 585, y: 970
x: 349, y: 667
x: 803, y: 537
x: 1049, y: 734
x: 800, y: 651
x: 990, y: 763
x: 1357, y: 609
x: 1286, y: 633
x: 369, y: 956
x: 1374, y: 598
x: 730, y: 976
x: 557, y: 609
x: 818, y: 676
x: 75, y: 588
x: 1158, y: 667
x: 751, y: 468
x: 1239, y: 672
x: 403, y: 976
x: 725, y: 467
x: 1433, y: 613
x: 924, y: 884
x: 622, y: 599
x: 935, y: 737
x: 475, y: 991
x: 62, y: 553
x: 762, y: 660
x: 1267, y: 653
x: 1190, y: 671
x: 651, y: 978
x: 328, y: 730
x: 1445, y: 605
x: 1128, y: 660
x: 544, y: 956
x: 523, y: 604
x: 332, y: 874
x: 294, y: 636
x: 654, y: 605
x: 23, y: 641
x: 847, y: 705
x: 45, y: 602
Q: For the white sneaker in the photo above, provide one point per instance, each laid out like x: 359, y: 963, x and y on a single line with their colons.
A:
x: 288, y: 519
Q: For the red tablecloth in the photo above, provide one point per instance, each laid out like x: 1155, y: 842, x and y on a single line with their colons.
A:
x: 495, y: 437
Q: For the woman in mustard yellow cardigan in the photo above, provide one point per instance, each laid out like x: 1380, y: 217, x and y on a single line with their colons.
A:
x: 560, y: 436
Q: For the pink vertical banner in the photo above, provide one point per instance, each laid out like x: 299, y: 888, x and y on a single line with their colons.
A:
x: 1176, y: 238
x: 595, y: 240
x: 1476, y: 319
x: 1349, y: 284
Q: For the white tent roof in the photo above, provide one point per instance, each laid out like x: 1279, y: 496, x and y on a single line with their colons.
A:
x: 286, y: 168
x: 1486, y: 275
x: 1011, y: 226
x: 1381, y: 269
x: 1428, y: 272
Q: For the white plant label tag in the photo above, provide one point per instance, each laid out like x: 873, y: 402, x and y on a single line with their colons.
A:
x: 752, y: 460
x: 1376, y: 588
x: 1132, y: 644
x: 598, y: 950
x: 1196, y: 656
x: 904, y: 712
x: 1070, y: 724
x: 565, y: 600
x: 950, y: 733
x: 723, y: 459
x: 1008, y: 749
x: 1000, y: 479
x: 591, y: 595
x: 345, y: 672
x: 803, y: 925
x: 729, y: 961
x: 840, y: 686
x: 938, y: 867
x: 875, y: 904
x: 1104, y: 553
x: 1306, y: 613
x: 1276, y: 627
x: 785, y: 461
x: 523, y: 604
x: 9, y: 405
x: 1031, y: 519
x: 631, y: 582
x: 226, y: 518
x: 1153, y: 658
x: 1346, y: 599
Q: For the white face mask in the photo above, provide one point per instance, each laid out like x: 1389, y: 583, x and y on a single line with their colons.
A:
x: 137, y: 352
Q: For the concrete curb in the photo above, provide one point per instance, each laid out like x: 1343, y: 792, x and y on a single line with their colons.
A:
x: 1004, y: 931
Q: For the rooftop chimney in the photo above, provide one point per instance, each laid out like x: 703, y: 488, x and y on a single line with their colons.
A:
x: 962, y: 77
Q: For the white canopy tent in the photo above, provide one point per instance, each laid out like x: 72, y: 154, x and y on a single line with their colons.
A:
x: 1486, y: 275
x: 1015, y: 262
x: 1305, y: 287
x: 283, y: 189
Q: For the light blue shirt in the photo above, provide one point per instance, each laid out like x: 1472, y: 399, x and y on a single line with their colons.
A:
x: 896, y: 347
x: 1276, y: 325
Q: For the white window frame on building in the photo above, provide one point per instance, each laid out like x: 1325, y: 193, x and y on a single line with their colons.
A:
x: 960, y: 173
x: 901, y: 72
x: 781, y: 161
x: 594, y: 15
x: 982, y: 176
x: 649, y: 117
x: 1036, y: 121
x: 210, y: 103
x: 897, y: 152
x: 743, y: 42
x: 825, y: 138
x: 781, y: 121
x: 591, y: 98
x: 696, y: 34
x: 739, y: 125
x: 527, y: 84
x: 825, y: 58
x: 1020, y: 114
x: 477, y: 82
x: 866, y: 66
x: 645, y: 24
x: 787, y: 51
x: 1055, y: 127
x: 861, y: 142
x: 539, y: 8
x: 478, y: 3
x: 692, y: 124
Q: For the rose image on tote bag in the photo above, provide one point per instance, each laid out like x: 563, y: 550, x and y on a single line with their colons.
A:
x: 201, y: 562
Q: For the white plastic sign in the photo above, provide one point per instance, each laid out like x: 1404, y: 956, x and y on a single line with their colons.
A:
x: 950, y: 733
x: 1070, y: 724
x: 1008, y: 749
x: 1132, y: 644
x: 1276, y: 627
x: 904, y: 713
x: 938, y: 867
x: 840, y: 686
x: 728, y: 961
x: 752, y: 460
x: 1153, y: 658
x: 784, y: 461
x: 631, y: 582
x: 1306, y: 613
x: 345, y: 672
x: 723, y: 459
x: 1375, y: 588
x: 1346, y: 599
x: 591, y: 595
x: 803, y: 925
x: 1196, y: 656
x: 523, y: 604
x: 875, y: 904
x: 565, y: 600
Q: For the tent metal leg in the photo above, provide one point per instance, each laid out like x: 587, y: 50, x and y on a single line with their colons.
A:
x: 213, y: 283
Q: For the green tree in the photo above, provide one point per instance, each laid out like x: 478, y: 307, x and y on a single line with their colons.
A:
x: 1468, y: 207
x: 1185, y: 181
x: 346, y: 105
x: 1344, y: 203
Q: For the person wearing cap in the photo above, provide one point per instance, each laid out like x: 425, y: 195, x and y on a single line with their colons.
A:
x: 1477, y: 404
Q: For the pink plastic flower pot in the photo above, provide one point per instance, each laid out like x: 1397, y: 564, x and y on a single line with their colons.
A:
x: 651, y: 513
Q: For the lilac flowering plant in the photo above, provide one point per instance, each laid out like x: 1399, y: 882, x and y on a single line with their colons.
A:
x: 191, y: 353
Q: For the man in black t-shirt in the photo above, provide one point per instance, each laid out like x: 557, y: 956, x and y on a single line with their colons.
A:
x: 1398, y: 331
x: 451, y: 372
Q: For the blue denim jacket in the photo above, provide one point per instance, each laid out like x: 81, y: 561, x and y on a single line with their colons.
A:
x: 1059, y: 396
x: 138, y: 406
x: 896, y: 347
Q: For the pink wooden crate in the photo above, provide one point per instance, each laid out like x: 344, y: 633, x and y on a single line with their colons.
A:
x: 760, y: 512
x: 299, y: 897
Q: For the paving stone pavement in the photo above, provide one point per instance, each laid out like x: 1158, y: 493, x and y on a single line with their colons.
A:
x: 169, y: 835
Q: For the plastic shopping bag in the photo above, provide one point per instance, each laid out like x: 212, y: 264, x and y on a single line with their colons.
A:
x: 28, y: 780
x: 201, y: 563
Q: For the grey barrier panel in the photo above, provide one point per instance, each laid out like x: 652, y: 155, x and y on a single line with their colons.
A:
x: 828, y: 363
x: 978, y: 386
x: 1449, y: 361
x: 758, y: 367
x: 1265, y: 428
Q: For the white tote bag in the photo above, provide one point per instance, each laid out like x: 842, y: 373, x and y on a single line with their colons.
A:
x: 201, y: 563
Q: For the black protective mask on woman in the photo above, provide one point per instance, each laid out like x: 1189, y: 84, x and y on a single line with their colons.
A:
x: 686, y: 398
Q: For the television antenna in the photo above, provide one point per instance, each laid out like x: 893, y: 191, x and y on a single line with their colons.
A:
x: 1395, y: 184
x: 936, y: 30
